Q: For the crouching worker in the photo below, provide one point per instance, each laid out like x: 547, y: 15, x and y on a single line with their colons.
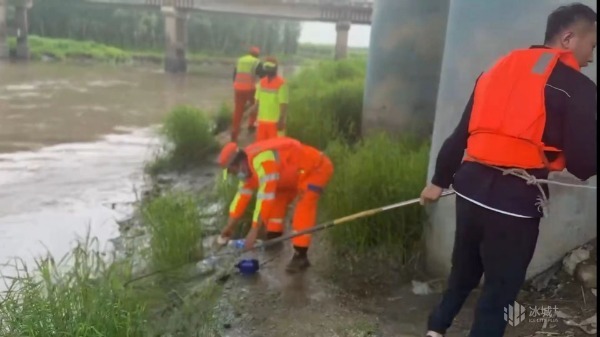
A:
x: 282, y: 169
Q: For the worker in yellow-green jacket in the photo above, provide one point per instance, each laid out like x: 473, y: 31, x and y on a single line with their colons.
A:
x: 272, y: 95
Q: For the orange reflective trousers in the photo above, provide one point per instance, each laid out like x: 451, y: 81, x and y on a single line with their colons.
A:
x: 241, y: 98
x: 266, y: 130
x: 310, y: 186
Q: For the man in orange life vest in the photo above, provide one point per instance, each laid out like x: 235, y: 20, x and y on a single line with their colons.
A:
x: 272, y: 97
x: 533, y: 110
x: 245, y: 75
x: 282, y: 169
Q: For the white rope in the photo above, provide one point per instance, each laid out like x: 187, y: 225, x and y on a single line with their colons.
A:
x: 531, y: 180
x: 552, y: 182
x: 542, y: 202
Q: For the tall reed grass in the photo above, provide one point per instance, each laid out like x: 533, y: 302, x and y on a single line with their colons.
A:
x: 176, y: 229
x: 83, y: 296
x: 190, y: 141
x: 88, y: 295
x: 376, y: 172
x: 326, y: 102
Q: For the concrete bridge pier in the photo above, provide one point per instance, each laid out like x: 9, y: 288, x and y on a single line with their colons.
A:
x: 22, y: 29
x: 342, y: 29
x: 405, y: 55
x: 175, y: 39
x: 3, y: 30
x: 478, y: 33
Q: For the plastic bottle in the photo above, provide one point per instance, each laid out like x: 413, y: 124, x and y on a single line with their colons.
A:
x: 239, y: 243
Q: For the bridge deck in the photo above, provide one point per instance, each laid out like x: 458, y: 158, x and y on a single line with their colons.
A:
x: 355, y: 11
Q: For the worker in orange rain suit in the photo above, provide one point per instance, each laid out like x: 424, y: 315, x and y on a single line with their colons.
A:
x: 282, y: 169
x: 245, y: 75
x: 272, y: 97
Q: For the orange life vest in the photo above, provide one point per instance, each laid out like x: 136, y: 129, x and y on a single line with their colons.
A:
x: 272, y: 84
x: 295, y: 159
x: 509, y: 115
x: 286, y: 151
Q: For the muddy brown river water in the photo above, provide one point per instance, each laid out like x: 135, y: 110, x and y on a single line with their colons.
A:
x: 74, y: 140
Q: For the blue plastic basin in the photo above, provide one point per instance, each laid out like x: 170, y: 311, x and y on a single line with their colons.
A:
x: 248, y: 266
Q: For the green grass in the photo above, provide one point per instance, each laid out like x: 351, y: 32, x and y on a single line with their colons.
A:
x: 189, y: 141
x: 376, y: 172
x: 224, y: 193
x: 67, y: 49
x: 85, y: 295
x: 326, y: 102
x: 63, y: 49
x: 86, y: 299
x: 222, y: 119
x: 175, y: 228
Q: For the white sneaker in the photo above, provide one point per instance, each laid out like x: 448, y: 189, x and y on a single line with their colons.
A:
x: 433, y: 334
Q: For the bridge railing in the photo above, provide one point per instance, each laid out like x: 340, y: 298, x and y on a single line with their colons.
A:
x: 196, y: 3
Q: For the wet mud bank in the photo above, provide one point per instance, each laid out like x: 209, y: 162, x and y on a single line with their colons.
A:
x: 133, y: 231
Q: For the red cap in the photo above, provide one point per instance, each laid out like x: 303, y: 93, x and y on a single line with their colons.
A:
x: 255, y: 51
x: 228, y: 153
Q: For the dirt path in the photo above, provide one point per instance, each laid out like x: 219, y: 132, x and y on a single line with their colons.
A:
x: 274, y: 304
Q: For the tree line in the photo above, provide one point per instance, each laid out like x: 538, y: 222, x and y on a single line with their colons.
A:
x: 142, y: 29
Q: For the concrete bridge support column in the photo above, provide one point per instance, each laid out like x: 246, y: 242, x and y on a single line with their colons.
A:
x: 22, y: 29
x: 341, y: 41
x: 405, y: 55
x: 478, y: 33
x: 3, y: 30
x: 175, y: 40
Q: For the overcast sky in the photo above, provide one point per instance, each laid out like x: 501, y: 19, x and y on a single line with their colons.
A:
x: 324, y: 33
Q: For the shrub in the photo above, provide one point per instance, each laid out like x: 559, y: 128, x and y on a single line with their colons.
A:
x: 222, y: 119
x: 326, y: 102
x: 86, y: 299
x: 330, y: 72
x: 175, y: 229
x: 376, y: 172
x: 189, y: 140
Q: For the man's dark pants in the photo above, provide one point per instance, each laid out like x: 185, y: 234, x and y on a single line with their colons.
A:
x: 491, y: 243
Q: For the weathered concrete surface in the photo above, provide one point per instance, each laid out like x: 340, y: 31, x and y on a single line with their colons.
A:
x: 175, y: 39
x: 478, y: 33
x: 342, y: 30
x: 3, y: 30
x: 407, y: 39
